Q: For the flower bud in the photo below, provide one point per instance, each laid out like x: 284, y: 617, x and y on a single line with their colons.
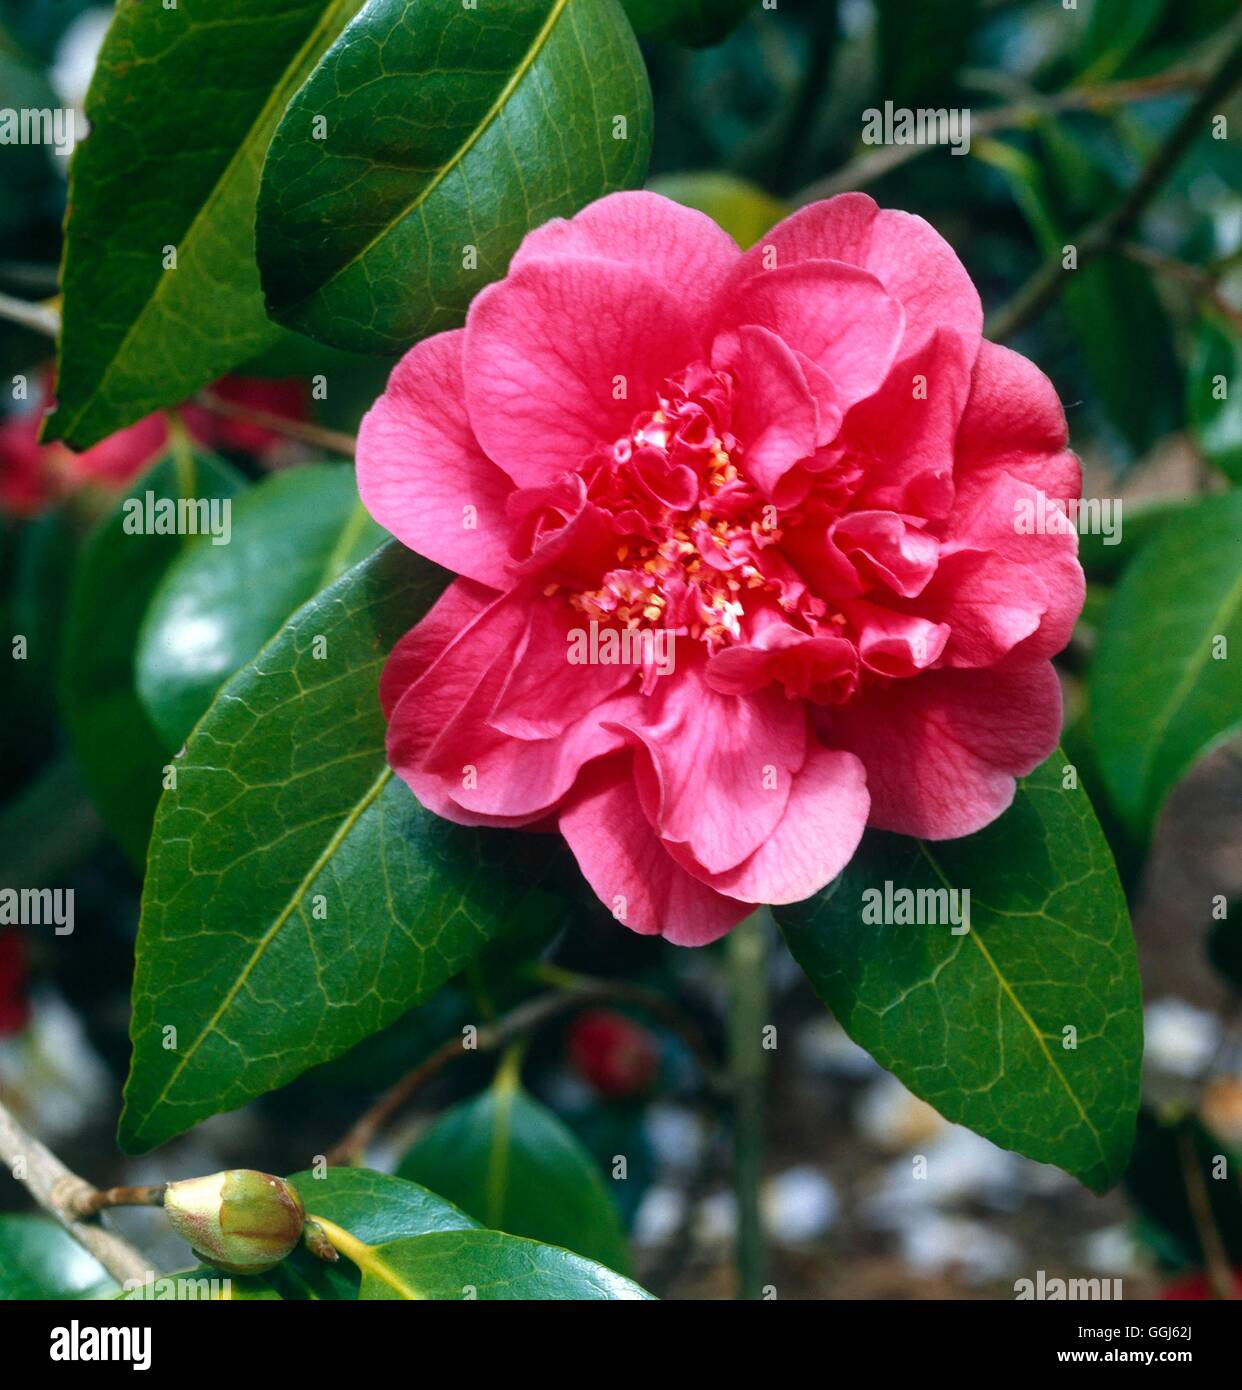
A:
x: 241, y: 1221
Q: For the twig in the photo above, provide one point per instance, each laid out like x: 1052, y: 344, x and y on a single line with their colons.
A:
x: 1197, y: 279
x: 42, y: 318
x: 748, y: 1014
x: 307, y: 433
x: 1215, y: 1256
x: 519, y: 1022
x: 1107, y: 231
x: 58, y: 1191
x: 876, y: 163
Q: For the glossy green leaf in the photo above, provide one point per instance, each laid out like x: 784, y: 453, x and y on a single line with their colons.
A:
x: 512, y: 1164
x: 974, y: 1023
x: 697, y: 23
x: 1214, y: 397
x: 1164, y: 685
x: 119, y: 751
x: 486, y: 1265
x: 297, y: 897
x: 182, y: 106
x: 292, y: 534
x: 429, y: 129
x: 372, y: 1206
x: 742, y: 209
x: 40, y: 1260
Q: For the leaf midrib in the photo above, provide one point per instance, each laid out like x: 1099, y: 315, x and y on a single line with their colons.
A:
x: 1008, y: 990
x: 515, y: 80
x: 260, y: 948
x: 275, y: 97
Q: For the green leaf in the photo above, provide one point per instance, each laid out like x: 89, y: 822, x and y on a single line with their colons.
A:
x: 297, y: 897
x: 973, y: 1023
x: 696, y: 23
x: 510, y: 1162
x: 1164, y: 685
x: 922, y: 46
x: 374, y: 1207
x: 742, y: 209
x: 486, y: 1265
x: 292, y: 534
x: 1109, y: 302
x: 117, y: 572
x: 1156, y: 1184
x: 1215, y: 415
x: 1104, y: 557
x: 182, y: 106
x: 428, y: 129
x: 40, y: 1260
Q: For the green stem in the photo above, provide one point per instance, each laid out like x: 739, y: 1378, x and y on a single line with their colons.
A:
x: 748, y: 1016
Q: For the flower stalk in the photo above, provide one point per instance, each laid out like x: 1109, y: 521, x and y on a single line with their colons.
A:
x: 748, y: 1016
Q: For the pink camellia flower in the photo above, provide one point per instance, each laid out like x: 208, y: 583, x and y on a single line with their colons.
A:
x: 786, y: 486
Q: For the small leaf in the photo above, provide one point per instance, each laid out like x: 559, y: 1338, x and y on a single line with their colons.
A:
x: 430, y: 139
x: 117, y: 572
x: 1164, y: 685
x: 182, y: 105
x: 975, y: 1023
x: 510, y: 1162
x: 292, y: 534
x: 1214, y: 397
x: 297, y: 897
x: 486, y: 1265
x: 40, y: 1260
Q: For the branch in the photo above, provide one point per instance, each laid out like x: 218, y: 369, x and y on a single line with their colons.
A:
x: 1108, y: 231
x: 1199, y: 280
x: 59, y: 1191
x: 315, y: 435
x: 576, y: 993
x: 876, y: 163
x: 42, y: 318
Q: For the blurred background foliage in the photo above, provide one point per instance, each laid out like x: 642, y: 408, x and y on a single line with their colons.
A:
x: 757, y: 110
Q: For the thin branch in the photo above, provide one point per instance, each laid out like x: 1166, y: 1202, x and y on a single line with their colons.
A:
x: 492, y: 1037
x: 41, y: 318
x: 1109, y: 230
x: 876, y: 163
x: 1215, y: 1256
x: 334, y: 440
x: 59, y: 1192
x: 1200, y: 281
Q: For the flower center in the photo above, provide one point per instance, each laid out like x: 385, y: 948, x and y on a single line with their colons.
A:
x: 694, y: 535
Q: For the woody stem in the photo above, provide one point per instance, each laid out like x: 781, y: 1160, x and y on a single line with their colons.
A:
x: 748, y: 1016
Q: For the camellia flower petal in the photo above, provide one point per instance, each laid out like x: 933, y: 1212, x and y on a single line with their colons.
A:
x: 739, y: 554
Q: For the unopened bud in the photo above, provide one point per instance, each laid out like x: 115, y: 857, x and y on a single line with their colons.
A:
x: 241, y: 1221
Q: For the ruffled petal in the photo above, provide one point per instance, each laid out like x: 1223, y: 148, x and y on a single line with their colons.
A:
x: 563, y: 354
